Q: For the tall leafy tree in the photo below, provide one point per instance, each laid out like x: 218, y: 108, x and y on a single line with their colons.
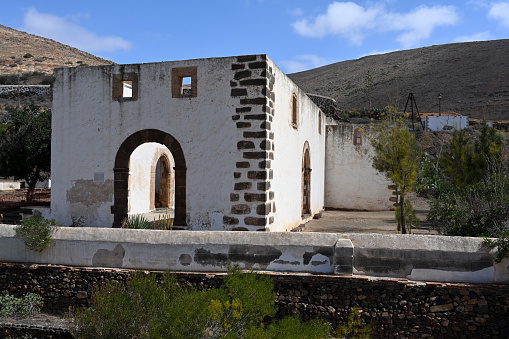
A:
x: 397, y: 155
x: 25, y: 144
x: 467, y: 162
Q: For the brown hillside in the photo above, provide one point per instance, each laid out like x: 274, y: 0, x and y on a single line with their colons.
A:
x: 21, y: 53
x: 472, y: 78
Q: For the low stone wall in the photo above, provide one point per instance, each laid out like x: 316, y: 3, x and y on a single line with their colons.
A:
x: 427, y: 258
x: 395, y: 308
x: 22, y: 91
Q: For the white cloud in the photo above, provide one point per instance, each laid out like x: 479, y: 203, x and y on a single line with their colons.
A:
x: 481, y: 36
x: 304, y: 62
x: 62, y: 30
x: 419, y: 23
x: 500, y: 12
x: 342, y: 18
x: 376, y: 52
x: 354, y: 22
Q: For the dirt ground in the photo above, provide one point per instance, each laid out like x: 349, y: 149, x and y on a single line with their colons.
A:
x: 381, y: 222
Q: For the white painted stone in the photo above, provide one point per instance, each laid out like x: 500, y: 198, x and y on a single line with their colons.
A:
x: 437, y: 123
x: 289, y: 152
x: 351, y: 182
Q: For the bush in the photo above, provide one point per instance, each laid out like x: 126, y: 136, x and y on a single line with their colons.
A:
x: 11, y: 79
x: 37, y: 233
x: 27, y: 55
x: 146, y: 308
x: 354, y: 328
x: 29, y: 305
x: 136, y: 222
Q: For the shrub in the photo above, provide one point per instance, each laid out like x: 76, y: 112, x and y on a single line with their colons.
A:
x: 354, y: 328
x: 29, y: 305
x: 27, y: 55
x: 136, y: 222
x: 146, y: 308
x: 37, y: 233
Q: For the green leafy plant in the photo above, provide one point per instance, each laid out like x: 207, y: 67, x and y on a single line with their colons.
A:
x: 25, y: 145
x: 148, y: 308
x: 137, y: 221
x: 29, y: 305
x: 27, y: 55
x: 354, y: 328
x: 37, y: 233
x: 397, y: 156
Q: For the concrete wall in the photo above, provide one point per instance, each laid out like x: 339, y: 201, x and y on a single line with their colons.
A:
x: 437, y: 123
x: 351, y: 182
x: 427, y: 258
x: 289, y: 143
x: 7, y: 185
x: 183, y: 250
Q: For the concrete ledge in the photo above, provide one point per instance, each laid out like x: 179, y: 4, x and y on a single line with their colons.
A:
x: 178, y: 250
x: 414, y: 257
x: 426, y: 257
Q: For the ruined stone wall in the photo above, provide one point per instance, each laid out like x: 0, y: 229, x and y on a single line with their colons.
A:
x: 395, y: 308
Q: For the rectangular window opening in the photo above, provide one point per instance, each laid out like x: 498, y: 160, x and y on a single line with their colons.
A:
x: 295, y: 112
x: 187, y: 90
x: 184, y: 82
x: 127, y: 89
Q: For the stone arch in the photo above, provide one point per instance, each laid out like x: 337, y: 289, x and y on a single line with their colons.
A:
x: 121, y: 173
x: 166, y: 179
x: 306, y: 180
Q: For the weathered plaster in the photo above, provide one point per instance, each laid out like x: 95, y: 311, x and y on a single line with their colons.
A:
x: 351, y: 182
x: 429, y: 258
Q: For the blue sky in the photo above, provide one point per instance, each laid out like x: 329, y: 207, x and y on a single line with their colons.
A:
x: 296, y: 34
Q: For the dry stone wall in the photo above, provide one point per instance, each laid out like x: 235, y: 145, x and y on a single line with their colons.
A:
x: 23, y: 91
x: 395, y: 308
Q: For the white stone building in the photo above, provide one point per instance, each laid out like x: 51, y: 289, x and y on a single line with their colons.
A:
x: 238, y: 145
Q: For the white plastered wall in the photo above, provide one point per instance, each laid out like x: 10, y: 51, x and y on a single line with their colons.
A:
x: 351, y: 182
x: 89, y: 127
x: 288, y: 154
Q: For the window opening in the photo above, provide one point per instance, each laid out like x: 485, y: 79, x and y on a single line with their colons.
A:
x: 320, y: 122
x: 357, y: 137
x: 184, y: 82
x: 127, y: 89
x: 186, y: 86
x: 295, y: 115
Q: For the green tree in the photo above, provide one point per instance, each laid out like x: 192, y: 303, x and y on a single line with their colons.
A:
x: 397, y: 155
x: 25, y: 144
x: 467, y: 162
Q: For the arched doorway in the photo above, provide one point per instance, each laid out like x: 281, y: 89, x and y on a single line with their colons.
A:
x: 162, y: 186
x: 121, y: 172
x: 306, y: 181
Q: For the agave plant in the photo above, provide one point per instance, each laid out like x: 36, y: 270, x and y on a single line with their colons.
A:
x: 136, y: 221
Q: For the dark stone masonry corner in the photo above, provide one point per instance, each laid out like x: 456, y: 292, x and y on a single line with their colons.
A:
x: 395, y: 308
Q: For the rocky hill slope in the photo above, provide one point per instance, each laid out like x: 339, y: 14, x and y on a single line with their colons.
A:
x: 472, y: 78
x: 27, y: 58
